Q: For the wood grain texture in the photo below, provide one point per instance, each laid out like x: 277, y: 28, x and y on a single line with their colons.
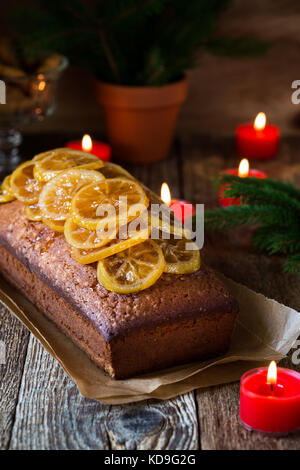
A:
x: 15, y: 339
x: 51, y: 414
x: 167, y: 425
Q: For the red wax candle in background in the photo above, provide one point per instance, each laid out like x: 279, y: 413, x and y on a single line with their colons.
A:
x: 100, y: 149
x: 258, y: 140
x: 243, y: 172
x: 182, y: 209
x: 270, y: 400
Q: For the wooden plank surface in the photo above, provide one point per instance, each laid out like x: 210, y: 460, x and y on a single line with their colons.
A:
x: 15, y: 338
x: 40, y: 407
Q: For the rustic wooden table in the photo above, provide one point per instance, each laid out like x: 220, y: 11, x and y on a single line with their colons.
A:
x: 40, y: 407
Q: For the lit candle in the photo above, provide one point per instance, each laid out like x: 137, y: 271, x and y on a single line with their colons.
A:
x: 243, y: 171
x: 270, y: 400
x: 86, y: 144
x: 258, y: 140
x: 182, y: 209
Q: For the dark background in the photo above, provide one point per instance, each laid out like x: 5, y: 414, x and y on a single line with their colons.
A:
x: 223, y: 91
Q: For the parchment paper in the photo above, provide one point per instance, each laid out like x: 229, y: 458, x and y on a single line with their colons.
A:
x: 265, y: 330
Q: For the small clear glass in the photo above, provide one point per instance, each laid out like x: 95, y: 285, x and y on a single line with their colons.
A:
x: 28, y: 99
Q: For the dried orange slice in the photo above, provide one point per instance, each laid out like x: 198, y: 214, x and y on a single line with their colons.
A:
x: 180, y: 260
x: 109, y: 193
x: 53, y: 162
x: 132, y: 270
x: 57, y: 225
x: 33, y: 212
x: 112, y: 170
x: 55, y: 198
x: 134, y: 237
x: 82, y: 238
x: 23, y: 184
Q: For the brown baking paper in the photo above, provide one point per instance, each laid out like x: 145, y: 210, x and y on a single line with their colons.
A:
x: 265, y: 330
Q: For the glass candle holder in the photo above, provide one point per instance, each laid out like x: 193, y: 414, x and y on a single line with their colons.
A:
x: 29, y: 98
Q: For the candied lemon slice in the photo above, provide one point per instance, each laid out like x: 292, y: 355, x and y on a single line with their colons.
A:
x: 170, y: 226
x: 33, y: 212
x: 23, y: 184
x: 55, y: 198
x: 5, y: 197
x: 112, y: 170
x: 134, y: 237
x: 163, y: 219
x: 83, y: 238
x: 180, y: 260
x: 6, y: 188
x: 53, y: 162
x: 57, y: 225
x: 6, y: 194
x: 132, y: 270
x: 109, y: 194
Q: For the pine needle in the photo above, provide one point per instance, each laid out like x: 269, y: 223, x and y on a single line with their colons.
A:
x: 271, y: 206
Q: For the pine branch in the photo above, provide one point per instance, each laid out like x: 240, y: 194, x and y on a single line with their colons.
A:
x: 285, y: 187
x: 237, y: 216
x: 292, y: 264
x: 275, y: 239
x: 256, y: 191
x: 272, y: 207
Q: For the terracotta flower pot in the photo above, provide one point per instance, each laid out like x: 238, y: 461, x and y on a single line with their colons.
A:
x: 140, y: 121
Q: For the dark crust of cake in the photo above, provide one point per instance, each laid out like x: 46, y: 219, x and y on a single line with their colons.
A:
x: 178, y: 319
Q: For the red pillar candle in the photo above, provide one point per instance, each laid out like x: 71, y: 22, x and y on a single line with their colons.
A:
x: 258, y: 140
x: 243, y: 172
x: 270, y: 400
x: 100, y: 149
x: 182, y: 209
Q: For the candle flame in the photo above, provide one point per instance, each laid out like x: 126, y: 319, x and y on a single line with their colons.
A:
x: 86, y: 143
x: 272, y: 373
x: 243, y: 168
x: 165, y: 194
x: 260, y: 122
x: 42, y: 85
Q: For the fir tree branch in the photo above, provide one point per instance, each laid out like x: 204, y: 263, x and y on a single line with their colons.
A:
x: 292, y: 264
x: 271, y: 207
x: 285, y: 187
x: 237, y: 216
x: 259, y: 194
x: 275, y: 239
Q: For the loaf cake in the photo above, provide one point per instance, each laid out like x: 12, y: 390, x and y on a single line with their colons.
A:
x: 179, y: 319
